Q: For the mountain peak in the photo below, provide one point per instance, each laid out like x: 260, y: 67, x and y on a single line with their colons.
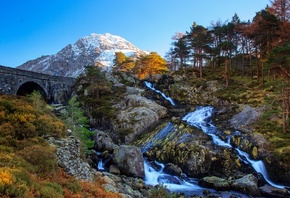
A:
x: 88, y: 50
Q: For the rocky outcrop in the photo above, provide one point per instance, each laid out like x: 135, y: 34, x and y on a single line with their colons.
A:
x: 247, y: 185
x: 137, y: 113
x: 129, y: 187
x: 243, y: 120
x: 69, y: 157
x: 270, y: 191
x: 194, y: 94
x: 129, y: 160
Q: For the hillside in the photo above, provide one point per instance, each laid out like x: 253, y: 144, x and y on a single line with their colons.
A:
x: 28, y: 164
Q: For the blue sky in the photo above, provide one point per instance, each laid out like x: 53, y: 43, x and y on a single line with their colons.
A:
x: 31, y: 28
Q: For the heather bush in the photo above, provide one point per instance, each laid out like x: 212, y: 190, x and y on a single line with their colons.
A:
x: 41, y: 157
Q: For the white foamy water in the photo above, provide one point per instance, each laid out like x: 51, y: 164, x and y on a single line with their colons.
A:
x: 150, y: 86
x: 200, y: 118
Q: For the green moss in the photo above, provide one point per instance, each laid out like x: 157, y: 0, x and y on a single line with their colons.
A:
x: 255, y: 152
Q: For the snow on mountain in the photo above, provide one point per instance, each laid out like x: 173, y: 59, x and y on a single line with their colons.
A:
x: 90, y: 50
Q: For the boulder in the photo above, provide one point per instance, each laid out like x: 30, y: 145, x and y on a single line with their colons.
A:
x: 103, y: 142
x: 136, y: 113
x: 247, y: 184
x: 129, y: 160
x: 243, y: 120
x: 271, y: 191
x: 198, y: 162
x: 114, y: 169
x: 215, y: 183
x: 172, y: 169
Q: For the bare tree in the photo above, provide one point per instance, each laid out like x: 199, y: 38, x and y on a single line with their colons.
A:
x: 281, y: 9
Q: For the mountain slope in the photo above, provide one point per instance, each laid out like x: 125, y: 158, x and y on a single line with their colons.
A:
x: 90, y: 50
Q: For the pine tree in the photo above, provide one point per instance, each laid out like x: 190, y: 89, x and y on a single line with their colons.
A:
x: 181, y: 49
x: 75, y: 120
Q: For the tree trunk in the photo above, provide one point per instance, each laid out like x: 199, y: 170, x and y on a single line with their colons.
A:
x: 226, y: 73
x: 285, y: 108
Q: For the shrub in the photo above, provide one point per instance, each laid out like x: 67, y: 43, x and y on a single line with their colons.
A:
x: 49, y: 192
x: 161, y: 192
x: 41, y: 157
x: 10, y: 185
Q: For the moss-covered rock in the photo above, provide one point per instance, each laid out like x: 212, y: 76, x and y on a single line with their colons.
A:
x: 214, y: 182
x: 247, y: 184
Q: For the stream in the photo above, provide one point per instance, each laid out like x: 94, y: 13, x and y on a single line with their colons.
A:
x: 200, y: 118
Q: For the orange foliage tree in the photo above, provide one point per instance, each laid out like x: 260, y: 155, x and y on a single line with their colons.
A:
x: 149, y: 65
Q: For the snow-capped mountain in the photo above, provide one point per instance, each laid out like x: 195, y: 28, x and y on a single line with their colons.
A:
x: 90, y: 50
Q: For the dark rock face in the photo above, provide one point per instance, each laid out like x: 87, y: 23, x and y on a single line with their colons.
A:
x: 129, y: 160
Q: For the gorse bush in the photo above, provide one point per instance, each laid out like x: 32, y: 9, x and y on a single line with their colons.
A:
x: 28, y: 166
x: 27, y: 118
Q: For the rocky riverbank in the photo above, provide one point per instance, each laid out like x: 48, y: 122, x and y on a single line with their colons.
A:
x: 186, y: 150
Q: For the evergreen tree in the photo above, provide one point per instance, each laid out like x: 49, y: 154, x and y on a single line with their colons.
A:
x: 264, y: 32
x: 180, y: 49
x: 75, y: 120
x: 200, y: 41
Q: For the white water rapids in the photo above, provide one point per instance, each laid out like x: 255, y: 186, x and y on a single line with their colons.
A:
x: 200, y: 118
x: 155, y: 176
x: 151, y: 86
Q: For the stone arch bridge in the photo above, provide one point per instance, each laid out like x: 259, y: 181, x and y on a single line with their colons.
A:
x: 55, y: 89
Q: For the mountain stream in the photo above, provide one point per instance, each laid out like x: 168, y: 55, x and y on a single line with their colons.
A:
x: 200, y: 118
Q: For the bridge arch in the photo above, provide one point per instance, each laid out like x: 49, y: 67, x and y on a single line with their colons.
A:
x: 30, y: 86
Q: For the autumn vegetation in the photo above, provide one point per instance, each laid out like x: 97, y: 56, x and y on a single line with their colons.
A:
x: 251, y: 58
x: 28, y: 166
x: 143, y: 67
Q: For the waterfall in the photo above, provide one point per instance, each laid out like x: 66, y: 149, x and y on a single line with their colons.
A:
x: 154, y: 175
x: 172, y: 183
x: 200, y: 118
x: 259, y: 167
x: 151, y: 86
x: 101, y: 166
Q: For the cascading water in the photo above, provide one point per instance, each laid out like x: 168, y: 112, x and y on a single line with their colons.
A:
x: 151, y: 86
x: 102, y: 162
x: 200, y: 118
x: 155, y: 176
x: 101, y: 166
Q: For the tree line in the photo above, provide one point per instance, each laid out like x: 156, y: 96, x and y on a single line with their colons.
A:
x: 243, y: 46
x: 256, y: 48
